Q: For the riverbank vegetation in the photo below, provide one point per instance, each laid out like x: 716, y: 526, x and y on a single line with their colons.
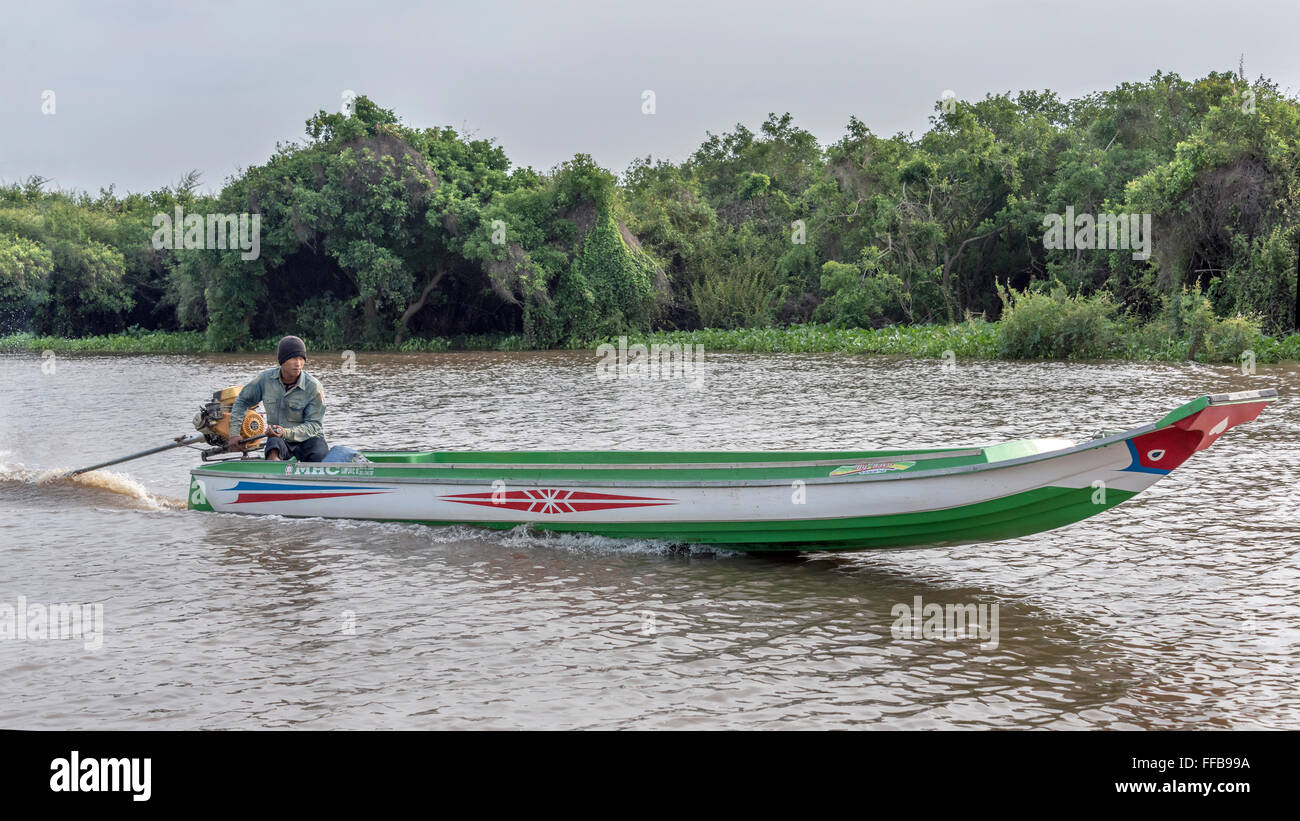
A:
x: 377, y: 235
x: 1040, y: 326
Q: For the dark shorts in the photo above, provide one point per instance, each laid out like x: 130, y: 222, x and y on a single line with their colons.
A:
x: 308, y: 450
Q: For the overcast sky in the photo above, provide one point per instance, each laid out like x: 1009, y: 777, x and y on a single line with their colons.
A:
x: 145, y: 91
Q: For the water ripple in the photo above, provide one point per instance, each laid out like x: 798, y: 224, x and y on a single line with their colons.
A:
x: 1174, y: 610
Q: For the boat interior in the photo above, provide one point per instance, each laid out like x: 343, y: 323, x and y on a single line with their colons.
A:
x: 993, y: 453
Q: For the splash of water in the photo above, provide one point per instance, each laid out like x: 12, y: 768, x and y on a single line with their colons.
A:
x: 96, y: 479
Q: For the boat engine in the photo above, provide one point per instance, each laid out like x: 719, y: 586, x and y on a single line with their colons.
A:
x: 213, y: 421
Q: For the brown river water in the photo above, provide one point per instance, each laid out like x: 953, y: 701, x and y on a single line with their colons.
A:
x: 1177, y: 609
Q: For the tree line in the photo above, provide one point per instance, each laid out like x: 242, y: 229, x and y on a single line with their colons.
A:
x: 376, y: 233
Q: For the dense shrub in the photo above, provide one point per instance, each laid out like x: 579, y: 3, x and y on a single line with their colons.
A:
x: 1052, y: 324
x: 859, y: 296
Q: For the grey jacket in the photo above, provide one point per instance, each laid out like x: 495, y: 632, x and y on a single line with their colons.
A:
x: 300, y: 410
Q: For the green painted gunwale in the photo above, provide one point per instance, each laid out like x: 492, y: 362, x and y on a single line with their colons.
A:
x: 656, y: 467
x: 649, y: 457
x: 660, y: 466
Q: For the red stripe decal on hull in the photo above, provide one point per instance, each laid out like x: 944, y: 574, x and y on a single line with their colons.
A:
x: 550, y: 500
x: 295, y: 497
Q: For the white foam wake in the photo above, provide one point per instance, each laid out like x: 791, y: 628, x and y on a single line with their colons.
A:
x: 96, y: 479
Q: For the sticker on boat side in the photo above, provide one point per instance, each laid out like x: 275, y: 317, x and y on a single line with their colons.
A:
x: 871, y: 467
x: 330, y: 470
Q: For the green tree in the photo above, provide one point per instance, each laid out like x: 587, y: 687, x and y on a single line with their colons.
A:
x: 25, y: 267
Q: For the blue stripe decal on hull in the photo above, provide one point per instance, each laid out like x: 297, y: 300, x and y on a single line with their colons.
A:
x: 247, y: 485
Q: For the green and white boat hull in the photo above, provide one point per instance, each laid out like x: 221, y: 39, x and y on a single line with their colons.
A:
x: 783, y: 501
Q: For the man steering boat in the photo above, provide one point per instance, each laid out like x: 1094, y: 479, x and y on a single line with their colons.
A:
x: 294, y: 401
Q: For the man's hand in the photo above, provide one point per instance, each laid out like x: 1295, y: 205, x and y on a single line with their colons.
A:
x: 236, y: 445
x: 275, y: 430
